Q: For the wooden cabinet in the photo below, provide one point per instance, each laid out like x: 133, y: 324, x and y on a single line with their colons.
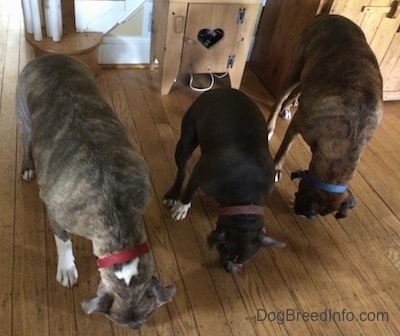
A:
x: 281, y: 25
x: 202, y: 37
x: 283, y: 21
x: 380, y: 21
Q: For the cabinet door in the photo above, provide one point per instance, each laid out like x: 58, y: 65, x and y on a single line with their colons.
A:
x: 281, y: 25
x: 198, y: 57
x: 382, y: 31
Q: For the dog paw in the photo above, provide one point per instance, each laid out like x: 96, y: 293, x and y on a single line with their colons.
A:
x: 278, y: 175
x: 270, y: 133
x: 232, y: 267
x: 27, y: 174
x: 179, y: 211
x: 285, y: 114
x: 67, y: 276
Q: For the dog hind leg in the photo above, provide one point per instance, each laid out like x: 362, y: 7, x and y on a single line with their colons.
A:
x: 25, y: 130
x: 283, y: 102
x: 285, y: 112
x: 290, y: 89
x: 284, y: 148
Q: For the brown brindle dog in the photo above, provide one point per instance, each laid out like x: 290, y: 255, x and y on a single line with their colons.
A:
x: 336, y: 78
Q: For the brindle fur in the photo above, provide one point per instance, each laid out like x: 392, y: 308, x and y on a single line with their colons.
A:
x: 91, y: 180
x: 337, y: 77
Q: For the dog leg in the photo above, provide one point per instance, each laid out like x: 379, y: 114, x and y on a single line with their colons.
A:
x: 285, y: 112
x: 180, y: 210
x: 184, y: 149
x: 67, y: 274
x: 284, y: 148
x: 27, y: 170
x: 290, y: 89
x: 172, y: 195
x: 282, y: 104
x: 25, y: 129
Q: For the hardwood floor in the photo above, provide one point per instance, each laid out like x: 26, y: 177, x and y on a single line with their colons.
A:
x: 335, y: 277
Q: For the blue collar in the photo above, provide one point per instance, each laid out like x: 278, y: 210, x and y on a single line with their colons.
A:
x: 333, y: 188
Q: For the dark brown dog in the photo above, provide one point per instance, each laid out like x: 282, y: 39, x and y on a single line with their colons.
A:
x: 235, y: 169
x: 337, y: 80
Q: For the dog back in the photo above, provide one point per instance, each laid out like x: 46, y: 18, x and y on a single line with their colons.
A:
x: 333, y: 48
x: 84, y: 161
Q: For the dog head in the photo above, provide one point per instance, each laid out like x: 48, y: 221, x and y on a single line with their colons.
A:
x: 315, y: 198
x: 238, y: 238
x: 128, y: 305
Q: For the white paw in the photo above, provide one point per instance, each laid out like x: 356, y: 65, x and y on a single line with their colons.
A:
x: 270, y: 131
x: 169, y: 202
x: 286, y: 114
x: 179, y: 210
x: 67, y: 276
x: 278, y: 176
x: 27, y: 175
x: 270, y: 134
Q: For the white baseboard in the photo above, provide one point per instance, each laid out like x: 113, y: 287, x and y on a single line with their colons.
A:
x: 124, y: 50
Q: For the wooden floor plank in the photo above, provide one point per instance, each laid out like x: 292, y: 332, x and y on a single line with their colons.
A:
x: 86, y: 289
x: 189, y: 259
x: 62, y: 317
x: 160, y: 324
x: 7, y: 180
x: 344, y: 267
x: 157, y: 230
x: 30, y: 303
x: 368, y: 262
x: 9, y: 52
x: 224, y: 284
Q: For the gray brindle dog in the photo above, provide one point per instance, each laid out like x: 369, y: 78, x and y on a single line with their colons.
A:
x: 337, y: 77
x: 93, y: 184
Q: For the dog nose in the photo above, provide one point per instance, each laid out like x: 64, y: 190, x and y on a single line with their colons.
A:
x: 136, y: 324
x: 232, y: 267
x: 308, y: 215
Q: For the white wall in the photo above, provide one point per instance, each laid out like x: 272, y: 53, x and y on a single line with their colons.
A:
x: 126, y: 25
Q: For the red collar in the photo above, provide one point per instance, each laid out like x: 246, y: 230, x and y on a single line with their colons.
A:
x: 123, y: 256
x: 241, y: 210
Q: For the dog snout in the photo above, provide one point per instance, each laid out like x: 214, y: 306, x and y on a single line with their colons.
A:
x: 309, y: 215
x: 136, y: 324
x: 232, y: 267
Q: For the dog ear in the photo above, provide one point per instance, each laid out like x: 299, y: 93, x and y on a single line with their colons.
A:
x: 267, y: 241
x: 161, y: 294
x: 99, y: 304
x: 346, y: 205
